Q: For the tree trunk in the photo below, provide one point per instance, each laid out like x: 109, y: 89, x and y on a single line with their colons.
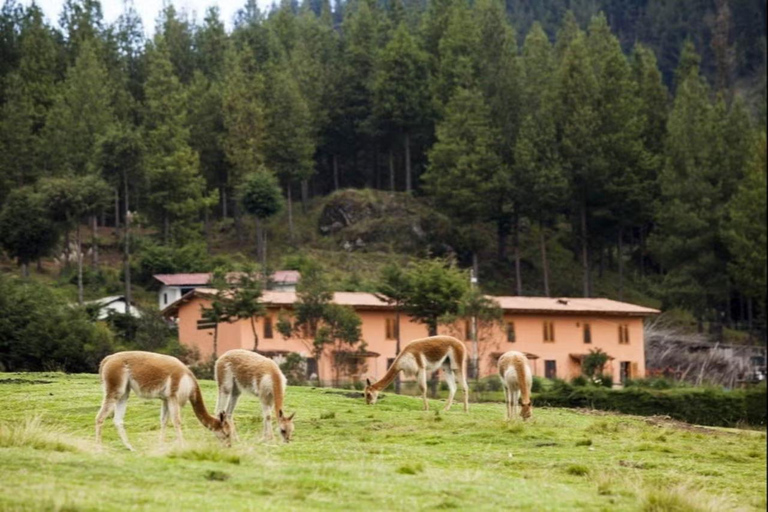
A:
x: 544, y: 260
x: 290, y: 211
x: 516, y: 243
x: 67, y: 254
x: 207, y: 230
x: 391, y: 170
x: 166, y: 229
x: 584, y: 250
x: 238, y: 224
x: 621, y: 263
x: 304, y: 195
x: 259, y: 247
x: 25, y: 270
x: 39, y: 265
x: 335, y: 172
x: 642, y: 251
x: 255, y: 335
x: 224, y: 205
x: 408, y: 184
x: 127, y: 248
x: 215, y: 341
x: 79, y: 243
x: 397, y: 345
x: 117, y: 207
x: 94, y: 244
x: 502, y: 235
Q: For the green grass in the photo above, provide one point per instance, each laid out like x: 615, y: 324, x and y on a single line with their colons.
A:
x: 350, y: 456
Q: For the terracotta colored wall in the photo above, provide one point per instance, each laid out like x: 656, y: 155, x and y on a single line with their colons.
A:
x: 528, y: 330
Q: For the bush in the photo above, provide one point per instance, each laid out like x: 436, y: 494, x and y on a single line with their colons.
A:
x: 294, y: 367
x: 579, y: 381
x: 693, y: 405
x: 537, y: 386
x: 40, y: 331
x: 161, y: 259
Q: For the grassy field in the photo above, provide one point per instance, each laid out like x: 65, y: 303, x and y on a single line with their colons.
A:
x: 350, y: 456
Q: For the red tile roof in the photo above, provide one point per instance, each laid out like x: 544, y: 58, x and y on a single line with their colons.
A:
x: 202, y: 279
x: 531, y: 305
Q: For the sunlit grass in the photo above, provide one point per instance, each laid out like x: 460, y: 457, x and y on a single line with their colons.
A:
x: 346, y: 455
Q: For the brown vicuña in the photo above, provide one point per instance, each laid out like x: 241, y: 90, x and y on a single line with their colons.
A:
x: 516, y: 378
x: 241, y: 370
x: 420, y: 358
x: 152, y: 375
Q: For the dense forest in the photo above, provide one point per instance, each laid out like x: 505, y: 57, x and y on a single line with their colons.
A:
x: 630, y: 133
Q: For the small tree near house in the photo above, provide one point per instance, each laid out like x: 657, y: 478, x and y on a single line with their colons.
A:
x: 320, y: 323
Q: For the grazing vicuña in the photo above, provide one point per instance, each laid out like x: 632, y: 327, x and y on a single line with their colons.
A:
x: 241, y: 370
x: 152, y: 375
x: 422, y: 357
x: 516, y: 378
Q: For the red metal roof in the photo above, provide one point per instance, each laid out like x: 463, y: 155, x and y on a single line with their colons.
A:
x: 202, y: 279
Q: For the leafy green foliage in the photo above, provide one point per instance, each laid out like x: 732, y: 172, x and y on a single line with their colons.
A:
x: 436, y: 289
x: 40, y: 331
x: 25, y: 229
x: 260, y: 194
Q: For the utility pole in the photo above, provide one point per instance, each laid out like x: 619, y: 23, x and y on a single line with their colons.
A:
x: 473, y: 328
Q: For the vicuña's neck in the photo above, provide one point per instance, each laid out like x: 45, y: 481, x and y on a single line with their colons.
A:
x: 277, y: 392
x: 388, y: 377
x: 198, y: 405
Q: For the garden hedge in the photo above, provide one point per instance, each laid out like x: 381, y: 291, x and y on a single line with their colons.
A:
x: 702, y: 406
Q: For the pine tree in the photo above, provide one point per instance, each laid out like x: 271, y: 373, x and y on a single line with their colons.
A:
x: 26, y: 232
x: 244, y: 123
x: 82, y: 21
x: 457, y: 50
x: 211, y: 44
x: 17, y: 141
x: 540, y: 185
x: 288, y: 143
x: 176, y: 30
x: 401, y: 92
x: 176, y: 188
x: 578, y: 127
x: 465, y: 174
x: 81, y: 114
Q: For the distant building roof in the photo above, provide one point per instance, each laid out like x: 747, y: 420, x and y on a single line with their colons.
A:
x: 202, y: 279
x: 531, y: 305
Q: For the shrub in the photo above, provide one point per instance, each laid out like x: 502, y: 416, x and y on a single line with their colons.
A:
x: 537, y: 386
x: 579, y: 381
x: 41, y: 331
x: 294, y: 367
x: 694, y: 405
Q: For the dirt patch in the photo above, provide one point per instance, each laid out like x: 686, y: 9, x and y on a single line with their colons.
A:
x: 348, y: 394
x: 667, y: 422
x: 24, y: 381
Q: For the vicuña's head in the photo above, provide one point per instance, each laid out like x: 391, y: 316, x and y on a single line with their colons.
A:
x: 371, y: 395
x: 222, y: 429
x: 286, y: 425
x: 527, y: 410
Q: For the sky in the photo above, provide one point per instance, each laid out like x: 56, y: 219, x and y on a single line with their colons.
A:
x: 149, y: 9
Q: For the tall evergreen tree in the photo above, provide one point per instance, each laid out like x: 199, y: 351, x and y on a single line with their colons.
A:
x: 18, y: 143
x: 401, y: 92
x: 176, y: 188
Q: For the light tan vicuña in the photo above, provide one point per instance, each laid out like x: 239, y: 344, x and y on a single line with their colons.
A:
x: 242, y: 370
x: 422, y: 357
x: 152, y: 375
x: 515, y: 374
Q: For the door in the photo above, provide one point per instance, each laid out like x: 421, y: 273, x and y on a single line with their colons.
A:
x: 550, y: 369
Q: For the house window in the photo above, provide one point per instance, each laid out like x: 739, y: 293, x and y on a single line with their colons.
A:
x: 623, y: 334
x: 268, y: 334
x: 205, y: 324
x: 625, y: 371
x: 549, y: 331
x: 165, y: 298
x: 390, y: 360
x: 391, y: 333
x: 511, y: 332
x: 587, y: 333
x: 550, y: 369
x: 311, y: 368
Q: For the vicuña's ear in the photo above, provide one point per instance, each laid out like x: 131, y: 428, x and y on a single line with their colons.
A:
x: 290, y: 418
x: 280, y: 413
x: 367, y: 381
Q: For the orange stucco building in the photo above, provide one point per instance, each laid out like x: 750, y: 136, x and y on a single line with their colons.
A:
x: 554, y: 333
